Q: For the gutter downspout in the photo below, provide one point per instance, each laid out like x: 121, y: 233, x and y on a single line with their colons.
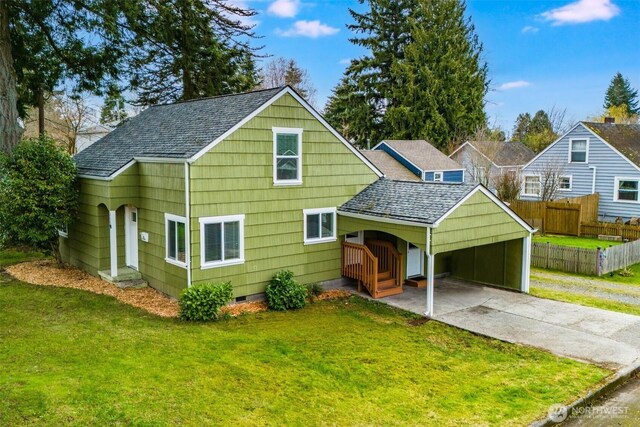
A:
x: 187, y: 226
x: 593, y: 181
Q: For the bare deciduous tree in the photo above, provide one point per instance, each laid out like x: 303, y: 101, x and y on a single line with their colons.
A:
x: 508, y: 186
x: 282, y: 71
x: 75, y: 113
x: 551, y: 174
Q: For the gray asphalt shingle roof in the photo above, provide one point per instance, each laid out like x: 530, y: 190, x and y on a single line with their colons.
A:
x: 389, y: 166
x: 506, y: 153
x: 422, y: 154
x: 420, y: 202
x: 177, y: 130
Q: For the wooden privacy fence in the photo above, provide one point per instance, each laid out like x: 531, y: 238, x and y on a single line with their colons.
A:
x: 595, y: 229
x: 593, y: 262
x: 562, y: 216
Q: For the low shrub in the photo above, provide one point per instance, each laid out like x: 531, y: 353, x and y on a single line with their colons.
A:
x: 284, y: 293
x: 203, y: 302
x: 313, y: 290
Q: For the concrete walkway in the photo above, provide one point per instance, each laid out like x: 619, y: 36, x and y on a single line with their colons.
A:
x: 583, y: 333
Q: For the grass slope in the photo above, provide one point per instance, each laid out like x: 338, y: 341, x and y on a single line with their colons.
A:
x: 73, y: 358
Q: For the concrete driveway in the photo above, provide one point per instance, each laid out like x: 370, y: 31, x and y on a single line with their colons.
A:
x: 570, y: 330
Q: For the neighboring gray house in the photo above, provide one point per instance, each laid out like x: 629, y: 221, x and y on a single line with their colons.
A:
x: 390, y: 167
x: 592, y: 158
x: 484, y: 161
x: 423, y: 160
x: 88, y: 135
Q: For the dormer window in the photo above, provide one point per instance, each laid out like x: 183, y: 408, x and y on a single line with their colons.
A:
x: 287, y: 156
x: 437, y: 176
x: 578, y: 150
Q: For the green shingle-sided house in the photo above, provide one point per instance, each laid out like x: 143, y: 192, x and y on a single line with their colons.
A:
x: 235, y: 188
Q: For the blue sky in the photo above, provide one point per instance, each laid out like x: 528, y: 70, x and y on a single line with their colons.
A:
x: 540, y: 53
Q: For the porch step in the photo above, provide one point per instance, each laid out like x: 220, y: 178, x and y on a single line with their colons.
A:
x: 387, y: 288
x: 124, y: 274
x: 132, y: 284
x: 384, y: 275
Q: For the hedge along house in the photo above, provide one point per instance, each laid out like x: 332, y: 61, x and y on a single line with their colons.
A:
x: 236, y: 188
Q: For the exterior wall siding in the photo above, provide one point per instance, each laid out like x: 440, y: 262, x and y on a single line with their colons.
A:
x: 161, y: 190
x: 608, y: 163
x: 236, y: 177
x: 408, y: 233
x: 478, y: 221
x: 447, y: 176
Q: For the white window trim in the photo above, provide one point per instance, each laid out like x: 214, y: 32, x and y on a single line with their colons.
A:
x: 175, y: 218
x: 63, y: 233
x: 570, y: 183
x: 524, y: 184
x: 221, y: 220
x: 333, y: 238
x: 616, y: 188
x: 276, y: 131
x: 586, y: 159
x: 441, y: 174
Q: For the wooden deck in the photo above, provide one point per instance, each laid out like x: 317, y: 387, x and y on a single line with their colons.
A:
x: 377, y: 265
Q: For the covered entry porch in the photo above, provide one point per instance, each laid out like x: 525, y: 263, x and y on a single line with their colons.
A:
x: 431, y: 231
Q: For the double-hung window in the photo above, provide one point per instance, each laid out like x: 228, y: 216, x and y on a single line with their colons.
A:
x: 578, y: 150
x: 564, y: 183
x: 287, y: 156
x: 221, y: 241
x: 319, y: 225
x: 64, y: 231
x: 176, y: 239
x: 437, y: 176
x: 531, y: 185
x: 627, y: 190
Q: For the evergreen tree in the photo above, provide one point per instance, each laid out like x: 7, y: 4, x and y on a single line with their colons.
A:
x: 620, y: 93
x: 286, y: 72
x: 187, y: 49
x: 521, y: 128
x: 421, y: 78
x: 349, y: 112
x: 384, y: 32
x: 442, y: 81
x: 540, y: 123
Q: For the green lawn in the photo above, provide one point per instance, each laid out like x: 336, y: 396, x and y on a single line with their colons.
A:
x: 577, y: 242
x: 13, y: 256
x: 75, y: 358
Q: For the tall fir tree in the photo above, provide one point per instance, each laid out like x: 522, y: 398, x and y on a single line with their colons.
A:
x: 442, y: 81
x: 383, y: 31
x: 187, y: 49
x: 423, y: 76
x: 521, y: 128
x: 620, y: 93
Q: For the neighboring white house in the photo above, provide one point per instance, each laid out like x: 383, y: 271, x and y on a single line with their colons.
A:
x: 484, y: 161
x: 87, y: 136
x: 599, y: 158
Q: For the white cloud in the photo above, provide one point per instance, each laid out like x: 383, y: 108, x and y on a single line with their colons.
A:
x: 582, y: 11
x: 284, y: 8
x: 311, y: 29
x: 530, y: 29
x: 514, y: 85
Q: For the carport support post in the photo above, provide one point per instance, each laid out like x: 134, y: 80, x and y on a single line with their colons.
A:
x: 113, y: 243
x: 430, y: 258
x: 526, y: 264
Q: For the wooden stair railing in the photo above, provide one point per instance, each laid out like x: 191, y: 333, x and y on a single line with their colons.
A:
x: 359, y: 263
x: 389, y: 260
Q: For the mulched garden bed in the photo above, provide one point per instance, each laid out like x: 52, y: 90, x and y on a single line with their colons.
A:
x: 47, y: 273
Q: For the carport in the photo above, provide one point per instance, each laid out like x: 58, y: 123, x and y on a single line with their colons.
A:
x: 398, y: 230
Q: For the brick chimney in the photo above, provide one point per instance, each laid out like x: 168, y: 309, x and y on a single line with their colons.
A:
x: 610, y: 120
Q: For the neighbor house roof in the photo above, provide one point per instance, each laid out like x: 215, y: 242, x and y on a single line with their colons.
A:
x: 389, y: 166
x: 177, y: 130
x: 506, y: 153
x: 625, y: 138
x: 420, y: 202
x: 422, y: 154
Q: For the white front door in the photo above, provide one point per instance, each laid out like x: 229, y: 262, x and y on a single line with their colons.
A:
x: 414, y: 260
x: 131, y: 235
